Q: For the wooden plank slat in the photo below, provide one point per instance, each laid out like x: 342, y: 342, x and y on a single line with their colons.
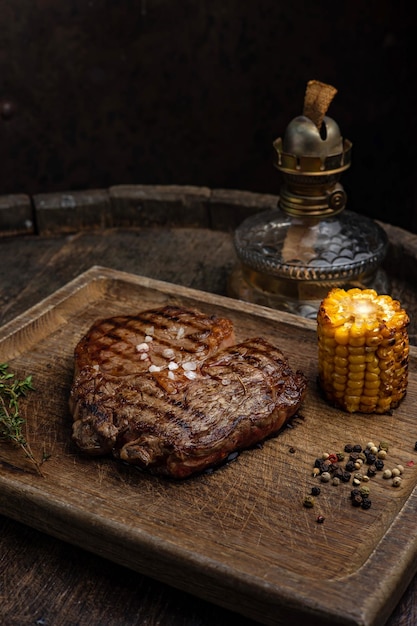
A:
x: 72, y: 211
x: 160, y: 205
x: 16, y: 215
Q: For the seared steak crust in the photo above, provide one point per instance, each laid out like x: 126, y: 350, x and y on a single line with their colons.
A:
x: 179, y: 421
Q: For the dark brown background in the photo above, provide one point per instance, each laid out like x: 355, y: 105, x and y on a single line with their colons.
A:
x: 193, y: 92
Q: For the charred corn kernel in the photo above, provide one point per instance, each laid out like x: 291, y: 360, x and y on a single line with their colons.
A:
x: 363, y: 350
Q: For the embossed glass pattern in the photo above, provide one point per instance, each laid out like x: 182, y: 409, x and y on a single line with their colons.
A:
x: 341, y: 247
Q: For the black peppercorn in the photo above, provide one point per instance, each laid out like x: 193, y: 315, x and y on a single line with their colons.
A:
x: 357, y: 448
x: 354, y: 493
x: 350, y: 466
x: 320, y: 464
x: 357, y: 500
x: 370, y: 459
x: 315, y: 491
x: 346, y: 476
x: 379, y: 464
x: 349, y: 447
x: 371, y: 470
x: 338, y: 473
x: 320, y: 519
x: 366, y: 503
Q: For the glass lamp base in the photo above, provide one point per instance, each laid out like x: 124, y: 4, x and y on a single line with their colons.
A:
x: 302, y: 297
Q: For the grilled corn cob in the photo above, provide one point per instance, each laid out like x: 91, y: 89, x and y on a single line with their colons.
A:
x: 362, y: 350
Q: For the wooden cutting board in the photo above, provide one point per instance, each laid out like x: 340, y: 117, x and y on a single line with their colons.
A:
x: 239, y: 536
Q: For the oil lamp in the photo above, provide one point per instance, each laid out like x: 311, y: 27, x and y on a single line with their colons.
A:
x: 291, y: 256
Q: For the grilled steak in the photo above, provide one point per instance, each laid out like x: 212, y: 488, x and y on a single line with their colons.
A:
x: 168, y: 391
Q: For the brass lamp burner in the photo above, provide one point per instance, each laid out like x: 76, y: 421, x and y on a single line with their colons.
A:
x: 291, y: 257
x: 311, y: 164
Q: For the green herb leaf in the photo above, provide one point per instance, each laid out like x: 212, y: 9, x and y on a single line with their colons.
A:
x: 11, y: 423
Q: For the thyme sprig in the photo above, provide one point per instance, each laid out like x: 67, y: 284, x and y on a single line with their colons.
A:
x: 11, y: 422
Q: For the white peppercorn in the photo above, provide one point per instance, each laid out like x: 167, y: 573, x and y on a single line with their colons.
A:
x: 325, y: 477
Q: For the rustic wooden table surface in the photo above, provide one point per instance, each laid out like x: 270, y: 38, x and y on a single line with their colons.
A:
x: 182, y: 236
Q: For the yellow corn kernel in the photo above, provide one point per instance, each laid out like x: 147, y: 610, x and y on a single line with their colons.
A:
x: 342, y: 351
x: 356, y: 360
x: 341, y: 361
x: 363, y: 350
x: 341, y: 334
x: 373, y: 338
x: 372, y: 376
x: 372, y: 384
x: 339, y: 373
x: 356, y: 375
x: 384, y: 405
x: 354, y: 385
x: 368, y: 401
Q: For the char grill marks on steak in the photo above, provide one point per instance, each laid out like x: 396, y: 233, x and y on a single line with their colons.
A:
x: 171, y: 333
x: 237, y: 395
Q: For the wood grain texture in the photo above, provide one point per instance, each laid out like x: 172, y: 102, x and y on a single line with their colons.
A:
x: 238, y: 537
